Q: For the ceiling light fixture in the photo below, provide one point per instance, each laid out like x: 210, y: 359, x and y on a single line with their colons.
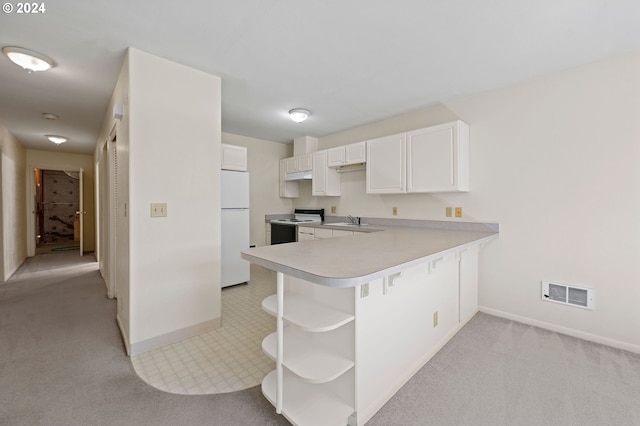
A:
x: 57, y: 139
x: 299, y: 115
x: 28, y: 59
x: 49, y: 116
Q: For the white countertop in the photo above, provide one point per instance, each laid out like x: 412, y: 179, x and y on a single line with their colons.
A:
x: 354, y: 260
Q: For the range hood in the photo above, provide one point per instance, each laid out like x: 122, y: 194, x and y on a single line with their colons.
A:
x: 355, y: 167
x: 298, y: 176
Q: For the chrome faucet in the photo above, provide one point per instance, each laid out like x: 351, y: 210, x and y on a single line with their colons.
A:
x: 353, y: 220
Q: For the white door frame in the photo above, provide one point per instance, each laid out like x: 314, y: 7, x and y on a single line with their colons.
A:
x: 105, y: 190
x: 31, y: 205
x: 81, y: 211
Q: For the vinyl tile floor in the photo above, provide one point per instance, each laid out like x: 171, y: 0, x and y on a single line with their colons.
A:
x: 224, y: 360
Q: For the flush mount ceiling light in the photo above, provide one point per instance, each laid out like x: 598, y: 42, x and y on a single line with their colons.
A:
x: 28, y: 59
x: 57, y: 139
x: 299, y: 115
x: 49, y: 116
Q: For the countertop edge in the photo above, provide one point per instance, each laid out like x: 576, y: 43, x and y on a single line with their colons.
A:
x: 355, y: 281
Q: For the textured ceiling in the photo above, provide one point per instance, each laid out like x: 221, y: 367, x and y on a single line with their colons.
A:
x: 350, y: 62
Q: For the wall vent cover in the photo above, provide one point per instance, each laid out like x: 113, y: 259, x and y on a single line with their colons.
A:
x: 568, y: 295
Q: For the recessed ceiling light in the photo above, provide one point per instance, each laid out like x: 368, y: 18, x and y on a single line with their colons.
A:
x: 57, y: 139
x: 49, y: 116
x: 28, y: 59
x: 299, y: 115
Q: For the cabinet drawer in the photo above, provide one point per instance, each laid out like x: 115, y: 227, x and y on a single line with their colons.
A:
x: 305, y: 230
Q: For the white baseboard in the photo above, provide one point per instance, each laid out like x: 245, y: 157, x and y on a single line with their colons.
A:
x: 563, y: 330
x: 174, y: 336
x: 125, y: 337
x: 365, y: 414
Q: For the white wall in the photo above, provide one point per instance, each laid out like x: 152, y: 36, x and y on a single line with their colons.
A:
x: 50, y: 160
x: 114, y: 255
x: 556, y: 161
x: 174, y: 154
x: 168, y: 151
x: 13, y: 225
x: 264, y: 185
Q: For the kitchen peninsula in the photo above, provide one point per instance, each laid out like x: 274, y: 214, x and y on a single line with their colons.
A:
x: 357, y: 316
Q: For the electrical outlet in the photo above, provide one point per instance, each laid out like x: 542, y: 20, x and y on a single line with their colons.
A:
x: 395, y: 211
x: 364, y: 290
x: 449, y: 211
x: 333, y: 209
x: 158, y: 209
x: 435, y: 319
x: 458, y: 211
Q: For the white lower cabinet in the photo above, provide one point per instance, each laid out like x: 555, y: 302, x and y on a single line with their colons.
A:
x: 305, y: 233
x: 347, y: 351
x: 322, y: 233
x: 335, y: 233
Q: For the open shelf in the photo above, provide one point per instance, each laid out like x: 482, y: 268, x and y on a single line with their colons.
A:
x: 306, y: 357
x: 307, y: 404
x: 307, y: 314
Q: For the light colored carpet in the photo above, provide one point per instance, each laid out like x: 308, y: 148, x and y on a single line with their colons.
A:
x: 62, y: 363
x: 500, y: 372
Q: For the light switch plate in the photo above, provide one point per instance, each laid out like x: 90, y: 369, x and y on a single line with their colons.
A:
x: 158, y: 209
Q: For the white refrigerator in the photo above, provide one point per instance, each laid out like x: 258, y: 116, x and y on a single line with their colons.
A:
x: 235, y: 226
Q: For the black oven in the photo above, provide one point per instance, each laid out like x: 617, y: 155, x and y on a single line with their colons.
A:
x: 285, y: 230
x: 283, y: 233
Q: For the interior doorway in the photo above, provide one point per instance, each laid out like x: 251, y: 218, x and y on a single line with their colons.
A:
x: 57, y: 211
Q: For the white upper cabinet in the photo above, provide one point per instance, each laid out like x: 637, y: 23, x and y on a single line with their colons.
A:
x: 345, y: 155
x: 233, y: 157
x: 304, y: 163
x: 433, y: 159
x: 291, y: 164
x: 356, y: 153
x: 301, y: 163
x: 386, y: 165
x: 336, y: 156
x: 438, y: 158
x: 325, y: 181
x: 288, y: 189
